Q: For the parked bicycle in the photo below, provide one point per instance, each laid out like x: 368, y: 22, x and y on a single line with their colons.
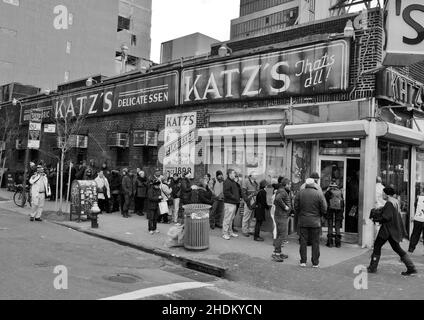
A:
x: 21, y: 197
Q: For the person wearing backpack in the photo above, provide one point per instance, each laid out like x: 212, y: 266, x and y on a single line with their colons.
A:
x: 335, y: 202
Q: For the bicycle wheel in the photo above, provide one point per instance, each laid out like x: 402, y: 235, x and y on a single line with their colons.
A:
x: 19, y: 198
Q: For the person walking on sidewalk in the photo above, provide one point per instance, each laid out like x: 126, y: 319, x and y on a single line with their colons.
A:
x: 260, y: 210
x: 141, y: 186
x: 250, y: 190
x: 232, y: 197
x: 283, y: 208
x: 418, y: 229
x: 336, y: 206
x: 215, y: 219
x: 310, y: 206
x: 127, y: 191
x: 40, y: 189
x: 392, y: 230
x: 154, y: 196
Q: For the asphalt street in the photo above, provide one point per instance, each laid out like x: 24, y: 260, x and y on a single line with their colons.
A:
x: 30, y: 252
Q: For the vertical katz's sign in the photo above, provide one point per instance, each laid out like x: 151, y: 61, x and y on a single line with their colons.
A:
x: 180, y: 143
x: 309, y: 70
x: 34, y: 129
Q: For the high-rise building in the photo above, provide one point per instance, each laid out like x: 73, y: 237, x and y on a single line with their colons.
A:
x: 45, y: 43
x: 259, y: 17
x: 188, y: 46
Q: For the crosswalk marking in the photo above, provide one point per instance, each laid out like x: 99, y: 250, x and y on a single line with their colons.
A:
x: 161, y: 290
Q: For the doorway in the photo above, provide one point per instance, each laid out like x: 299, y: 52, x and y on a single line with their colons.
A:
x: 345, y: 171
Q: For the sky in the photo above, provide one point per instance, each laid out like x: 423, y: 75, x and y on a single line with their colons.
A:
x: 176, y: 18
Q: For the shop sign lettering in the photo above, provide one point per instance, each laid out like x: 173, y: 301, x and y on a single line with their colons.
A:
x: 397, y: 88
x: 306, y: 71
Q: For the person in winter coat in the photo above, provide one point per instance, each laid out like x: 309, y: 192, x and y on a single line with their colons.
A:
x: 127, y: 192
x: 166, y: 195
x: 261, y: 208
x: 417, y: 231
x: 141, y: 187
x: 249, y: 191
x: 115, y: 189
x: 204, y: 192
x: 392, y: 230
x: 232, y: 196
x: 175, y: 186
x: 283, y: 208
x: 103, y: 191
x: 154, y: 196
x: 310, y: 206
x: 334, y: 217
x: 186, y: 189
x: 218, y: 201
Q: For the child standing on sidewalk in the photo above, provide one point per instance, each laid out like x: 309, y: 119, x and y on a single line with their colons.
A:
x: 154, y: 196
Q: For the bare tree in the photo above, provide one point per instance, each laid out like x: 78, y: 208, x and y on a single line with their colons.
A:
x: 67, y: 128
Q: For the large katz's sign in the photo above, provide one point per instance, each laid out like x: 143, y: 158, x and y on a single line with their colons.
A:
x: 147, y: 93
x: 309, y: 70
x: 404, y: 28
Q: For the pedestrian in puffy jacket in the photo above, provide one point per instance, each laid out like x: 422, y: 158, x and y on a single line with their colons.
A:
x: 310, y: 205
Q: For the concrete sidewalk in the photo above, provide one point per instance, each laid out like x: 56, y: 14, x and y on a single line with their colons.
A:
x: 222, y: 253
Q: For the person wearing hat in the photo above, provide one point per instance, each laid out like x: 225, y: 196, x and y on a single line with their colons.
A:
x: 283, y: 206
x: 215, y: 218
x: 127, y: 191
x: 249, y: 189
x: 40, y: 189
x: 315, y: 176
x: 309, y: 207
x: 334, y: 217
x: 260, y: 210
x: 392, y: 230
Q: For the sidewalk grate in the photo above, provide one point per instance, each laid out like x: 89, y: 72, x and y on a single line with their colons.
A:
x: 123, y: 278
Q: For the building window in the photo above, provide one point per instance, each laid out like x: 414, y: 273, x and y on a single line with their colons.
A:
x: 68, y: 47
x: 133, y: 40
x: 123, y: 23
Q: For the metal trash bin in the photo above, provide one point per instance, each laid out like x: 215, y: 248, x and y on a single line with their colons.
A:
x: 196, y: 230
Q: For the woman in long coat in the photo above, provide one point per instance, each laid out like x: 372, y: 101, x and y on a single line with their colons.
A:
x: 392, y: 230
x: 261, y: 208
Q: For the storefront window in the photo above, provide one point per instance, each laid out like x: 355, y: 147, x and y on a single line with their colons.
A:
x: 303, y: 157
x: 419, y: 182
x: 394, y: 162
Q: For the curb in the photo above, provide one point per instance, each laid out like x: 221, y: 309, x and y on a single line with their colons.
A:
x: 185, y: 262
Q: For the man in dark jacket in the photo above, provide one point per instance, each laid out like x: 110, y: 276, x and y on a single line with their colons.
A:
x: 215, y: 219
x: 283, y: 208
x: 175, y: 186
x: 204, y: 192
x: 392, y: 230
x: 115, y: 190
x: 186, y: 189
x: 127, y: 192
x: 232, y: 196
x: 154, y: 196
x: 310, y: 206
x: 335, y: 203
x: 141, y: 187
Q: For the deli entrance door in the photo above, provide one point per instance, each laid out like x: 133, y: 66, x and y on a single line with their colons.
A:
x: 346, y: 173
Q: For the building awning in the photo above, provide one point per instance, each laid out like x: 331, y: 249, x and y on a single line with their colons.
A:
x: 399, y: 134
x: 272, y: 131
x: 349, y: 129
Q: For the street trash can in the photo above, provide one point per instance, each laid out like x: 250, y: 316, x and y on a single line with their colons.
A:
x: 196, y: 226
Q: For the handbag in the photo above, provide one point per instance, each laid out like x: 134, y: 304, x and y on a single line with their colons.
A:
x: 163, y: 207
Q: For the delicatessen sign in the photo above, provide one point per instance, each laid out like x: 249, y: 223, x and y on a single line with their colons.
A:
x: 155, y: 92
x: 309, y: 70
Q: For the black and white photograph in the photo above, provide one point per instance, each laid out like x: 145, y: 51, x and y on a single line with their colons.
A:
x: 212, y: 156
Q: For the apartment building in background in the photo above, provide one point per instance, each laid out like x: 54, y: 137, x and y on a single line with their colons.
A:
x: 259, y: 17
x: 50, y: 42
x: 195, y: 44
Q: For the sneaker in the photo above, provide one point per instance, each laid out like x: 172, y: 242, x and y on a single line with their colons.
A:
x: 226, y: 237
x: 303, y: 265
x: 151, y: 232
x: 277, y: 258
x: 32, y: 219
x: 157, y: 231
x: 315, y: 266
x: 234, y: 235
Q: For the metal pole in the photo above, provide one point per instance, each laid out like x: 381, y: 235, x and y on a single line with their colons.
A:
x: 69, y: 181
x: 2, y: 170
x: 57, y: 186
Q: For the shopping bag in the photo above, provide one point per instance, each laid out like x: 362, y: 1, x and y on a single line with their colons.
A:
x: 175, y: 236
x: 163, y: 207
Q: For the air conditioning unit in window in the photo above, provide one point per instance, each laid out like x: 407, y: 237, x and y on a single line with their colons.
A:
x: 20, y: 144
x: 75, y: 141
x: 119, y: 140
